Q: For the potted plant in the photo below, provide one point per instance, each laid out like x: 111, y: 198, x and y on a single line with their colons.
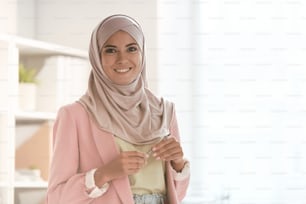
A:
x: 27, y: 88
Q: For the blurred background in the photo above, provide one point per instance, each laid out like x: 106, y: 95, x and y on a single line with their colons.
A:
x: 236, y: 70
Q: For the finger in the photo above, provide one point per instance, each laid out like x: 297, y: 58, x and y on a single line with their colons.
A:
x: 135, y: 154
x: 136, y: 165
x: 167, y: 147
x: 135, y: 160
x: 134, y: 168
x: 171, y: 153
x: 133, y: 171
x: 164, y: 142
x: 174, y: 156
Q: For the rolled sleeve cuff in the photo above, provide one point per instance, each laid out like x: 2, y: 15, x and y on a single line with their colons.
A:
x: 93, y: 190
x: 184, y: 174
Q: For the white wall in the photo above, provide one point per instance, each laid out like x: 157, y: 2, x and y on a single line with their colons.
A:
x: 251, y: 110
x: 26, y: 18
x: 18, y: 17
x: 8, y: 17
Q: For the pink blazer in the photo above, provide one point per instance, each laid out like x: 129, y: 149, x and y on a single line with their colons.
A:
x: 79, y: 146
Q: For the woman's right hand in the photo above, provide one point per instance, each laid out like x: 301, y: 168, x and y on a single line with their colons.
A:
x: 126, y: 163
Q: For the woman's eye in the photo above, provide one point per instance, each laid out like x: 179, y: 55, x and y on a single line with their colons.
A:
x: 132, y: 49
x: 110, y: 50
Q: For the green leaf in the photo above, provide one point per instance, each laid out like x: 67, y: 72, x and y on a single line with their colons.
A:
x: 27, y: 75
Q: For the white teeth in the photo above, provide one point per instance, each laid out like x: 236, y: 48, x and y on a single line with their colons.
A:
x: 122, y: 70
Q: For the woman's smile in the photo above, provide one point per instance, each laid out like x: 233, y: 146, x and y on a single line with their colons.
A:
x: 122, y: 70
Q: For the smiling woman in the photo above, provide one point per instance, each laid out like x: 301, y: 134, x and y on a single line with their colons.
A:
x: 109, y: 147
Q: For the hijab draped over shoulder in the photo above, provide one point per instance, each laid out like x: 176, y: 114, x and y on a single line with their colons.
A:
x: 131, y: 112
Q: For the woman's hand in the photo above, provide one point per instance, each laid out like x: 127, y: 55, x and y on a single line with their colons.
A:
x: 170, y: 149
x: 127, y: 163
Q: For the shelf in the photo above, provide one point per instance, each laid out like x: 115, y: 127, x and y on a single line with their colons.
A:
x: 35, y: 116
x: 31, y: 184
x: 27, y: 135
x: 35, y: 47
x: 26, y: 184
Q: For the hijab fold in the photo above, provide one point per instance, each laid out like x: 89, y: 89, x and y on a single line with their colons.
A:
x: 131, y: 112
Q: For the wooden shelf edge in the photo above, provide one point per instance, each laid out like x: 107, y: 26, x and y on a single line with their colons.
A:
x: 30, y: 184
x: 31, y: 46
x: 34, y: 116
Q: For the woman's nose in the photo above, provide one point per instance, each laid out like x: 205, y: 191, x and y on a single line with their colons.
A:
x: 121, y: 57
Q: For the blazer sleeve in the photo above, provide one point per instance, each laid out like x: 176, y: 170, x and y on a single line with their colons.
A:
x: 66, y: 184
x: 178, y: 188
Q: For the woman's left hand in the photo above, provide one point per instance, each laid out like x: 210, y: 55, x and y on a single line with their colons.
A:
x: 170, y: 149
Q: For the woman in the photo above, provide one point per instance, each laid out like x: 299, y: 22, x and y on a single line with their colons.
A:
x: 119, y: 143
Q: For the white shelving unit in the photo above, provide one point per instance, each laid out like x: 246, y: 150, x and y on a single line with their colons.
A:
x: 35, y: 116
x: 31, y: 184
x: 62, y: 74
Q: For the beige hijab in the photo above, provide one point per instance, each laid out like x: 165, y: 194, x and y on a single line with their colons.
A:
x: 130, y: 112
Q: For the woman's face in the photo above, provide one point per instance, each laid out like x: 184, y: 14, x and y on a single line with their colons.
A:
x: 121, y: 58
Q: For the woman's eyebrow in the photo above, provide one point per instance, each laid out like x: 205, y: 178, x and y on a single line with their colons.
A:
x: 113, y: 46
x: 109, y: 46
x: 131, y: 44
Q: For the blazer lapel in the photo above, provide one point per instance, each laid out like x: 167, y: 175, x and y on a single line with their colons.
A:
x: 108, y: 151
